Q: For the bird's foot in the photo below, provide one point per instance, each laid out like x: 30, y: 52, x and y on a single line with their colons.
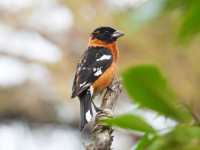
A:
x: 97, y: 109
x: 109, y: 88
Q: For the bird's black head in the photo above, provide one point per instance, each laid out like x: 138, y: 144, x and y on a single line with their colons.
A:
x: 106, y: 34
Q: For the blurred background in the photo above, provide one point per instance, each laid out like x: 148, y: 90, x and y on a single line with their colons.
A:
x: 41, y: 42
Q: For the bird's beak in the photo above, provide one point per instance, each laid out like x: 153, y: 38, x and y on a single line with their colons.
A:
x: 117, y: 34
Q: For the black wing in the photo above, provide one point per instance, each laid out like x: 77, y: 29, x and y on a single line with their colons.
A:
x: 92, y: 65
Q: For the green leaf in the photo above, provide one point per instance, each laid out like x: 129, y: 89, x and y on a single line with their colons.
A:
x: 181, y: 138
x: 130, y: 121
x: 146, y: 140
x: 191, y: 21
x: 146, y: 86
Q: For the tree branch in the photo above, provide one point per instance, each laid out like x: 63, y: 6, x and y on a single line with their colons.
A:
x: 101, y: 138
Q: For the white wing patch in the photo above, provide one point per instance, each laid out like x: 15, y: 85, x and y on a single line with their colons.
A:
x: 91, y: 90
x: 87, y: 85
x: 104, y: 57
x: 99, y: 72
x: 82, y: 84
x: 88, y: 116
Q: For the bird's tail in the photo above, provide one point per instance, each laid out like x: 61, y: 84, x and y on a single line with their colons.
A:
x: 85, y: 108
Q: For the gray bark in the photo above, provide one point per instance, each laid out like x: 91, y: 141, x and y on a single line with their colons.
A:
x: 101, y: 138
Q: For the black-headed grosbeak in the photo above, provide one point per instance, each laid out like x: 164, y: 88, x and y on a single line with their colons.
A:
x: 95, y: 70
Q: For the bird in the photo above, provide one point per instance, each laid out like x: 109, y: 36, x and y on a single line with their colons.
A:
x: 95, y: 70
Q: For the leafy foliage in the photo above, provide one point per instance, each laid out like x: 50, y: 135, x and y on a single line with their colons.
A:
x: 189, y: 16
x: 130, y: 121
x: 181, y: 138
x: 146, y: 140
x: 147, y: 87
x: 191, y: 21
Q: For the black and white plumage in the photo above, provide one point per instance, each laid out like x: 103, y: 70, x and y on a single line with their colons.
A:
x: 96, y: 69
x: 93, y: 64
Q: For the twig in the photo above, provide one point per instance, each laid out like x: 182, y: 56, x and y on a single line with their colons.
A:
x: 197, y: 121
x: 101, y: 138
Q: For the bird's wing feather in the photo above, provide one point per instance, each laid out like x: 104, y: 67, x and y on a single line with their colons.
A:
x: 92, y: 65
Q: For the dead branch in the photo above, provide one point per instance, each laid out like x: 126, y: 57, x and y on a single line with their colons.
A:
x: 101, y: 138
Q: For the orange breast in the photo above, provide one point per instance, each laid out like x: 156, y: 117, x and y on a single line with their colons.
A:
x: 105, y: 79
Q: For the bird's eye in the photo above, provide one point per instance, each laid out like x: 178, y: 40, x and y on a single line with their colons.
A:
x: 107, y: 32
